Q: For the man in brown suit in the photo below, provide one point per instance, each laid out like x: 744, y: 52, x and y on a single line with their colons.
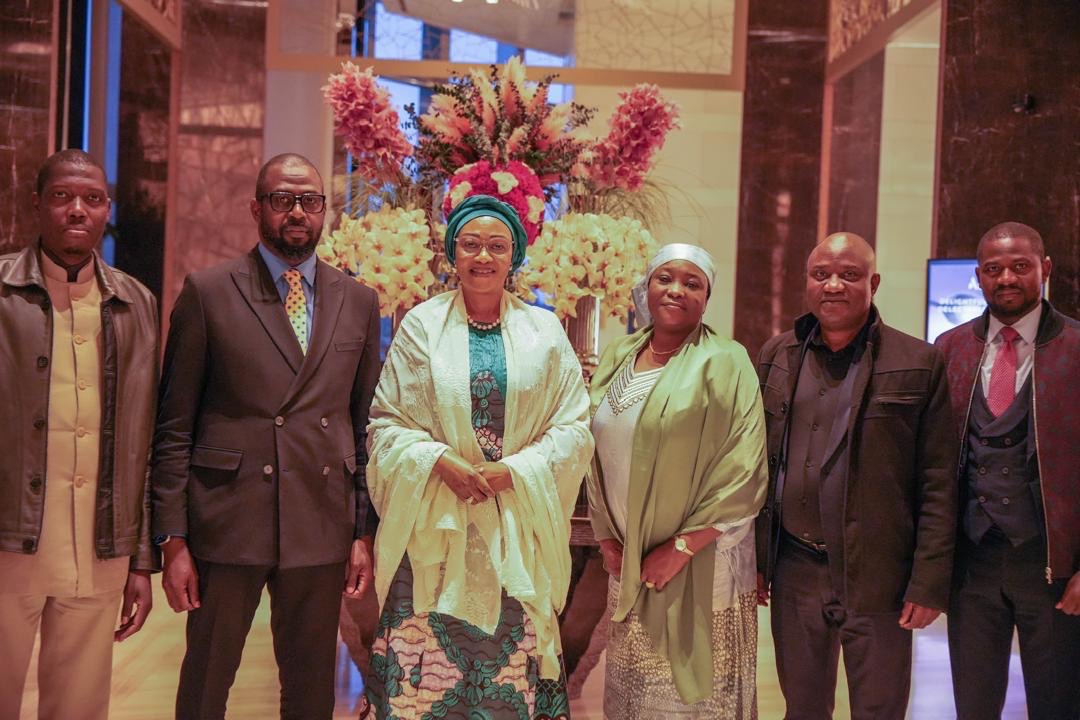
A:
x: 258, y: 475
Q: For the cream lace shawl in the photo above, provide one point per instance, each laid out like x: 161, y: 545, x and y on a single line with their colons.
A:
x: 464, y: 556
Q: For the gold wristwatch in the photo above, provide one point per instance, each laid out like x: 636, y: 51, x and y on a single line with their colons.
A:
x: 681, y: 546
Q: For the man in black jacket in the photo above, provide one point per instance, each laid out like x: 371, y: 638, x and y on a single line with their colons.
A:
x: 856, y: 539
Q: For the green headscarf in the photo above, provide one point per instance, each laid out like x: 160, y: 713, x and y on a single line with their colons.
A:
x: 476, y: 206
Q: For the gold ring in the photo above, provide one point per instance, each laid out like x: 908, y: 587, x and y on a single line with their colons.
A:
x: 649, y: 584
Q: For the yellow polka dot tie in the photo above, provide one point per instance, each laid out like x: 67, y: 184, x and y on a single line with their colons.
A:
x: 296, y: 307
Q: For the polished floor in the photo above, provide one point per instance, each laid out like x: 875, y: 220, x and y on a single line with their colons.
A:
x: 147, y: 665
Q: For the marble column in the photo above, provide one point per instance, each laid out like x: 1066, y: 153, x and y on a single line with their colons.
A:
x: 220, y: 137
x: 781, y: 161
x: 142, y: 161
x: 1009, y: 144
x: 26, y: 50
x: 855, y: 149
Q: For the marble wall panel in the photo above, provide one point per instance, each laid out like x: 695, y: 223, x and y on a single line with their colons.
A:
x: 25, y: 82
x: 1010, y: 130
x: 142, y: 163
x: 855, y: 149
x: 674, y: 36
x: 222, y: 106
x: 780, y: 164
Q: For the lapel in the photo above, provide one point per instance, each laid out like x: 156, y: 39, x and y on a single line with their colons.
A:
x: 253, y: 281
x: 329, y: 295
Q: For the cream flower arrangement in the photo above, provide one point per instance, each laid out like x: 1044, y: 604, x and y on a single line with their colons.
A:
x: 387, y: 250
x: 586, y: 254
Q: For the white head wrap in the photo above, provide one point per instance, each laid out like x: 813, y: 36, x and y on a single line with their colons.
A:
x: 675, y: 251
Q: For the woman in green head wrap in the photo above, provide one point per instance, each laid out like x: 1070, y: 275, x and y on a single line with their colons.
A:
x: 678, y: 478
x: 478, y: 443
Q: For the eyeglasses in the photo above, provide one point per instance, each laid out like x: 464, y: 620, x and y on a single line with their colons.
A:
x: 497, y: 248
x: 281, y: 201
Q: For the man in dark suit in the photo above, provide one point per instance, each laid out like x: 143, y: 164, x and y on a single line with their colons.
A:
x: 258, y: 477
x: 856, y: 540
x: 1012, y: 372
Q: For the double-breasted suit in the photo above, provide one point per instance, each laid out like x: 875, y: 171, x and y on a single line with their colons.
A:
x: 259, y: 461
x: 259, y: 453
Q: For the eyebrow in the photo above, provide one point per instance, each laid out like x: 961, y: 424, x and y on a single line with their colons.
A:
x: 476, y: 234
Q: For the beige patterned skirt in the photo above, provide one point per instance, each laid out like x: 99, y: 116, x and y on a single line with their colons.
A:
x: 638, y: 685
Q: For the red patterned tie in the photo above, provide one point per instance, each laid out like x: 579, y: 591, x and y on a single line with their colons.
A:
x: 1003, y: 374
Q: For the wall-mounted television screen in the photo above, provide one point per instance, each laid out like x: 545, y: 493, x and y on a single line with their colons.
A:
x: 953, y: 295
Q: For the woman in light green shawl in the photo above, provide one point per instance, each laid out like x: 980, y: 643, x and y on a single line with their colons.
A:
x: 674, y: 515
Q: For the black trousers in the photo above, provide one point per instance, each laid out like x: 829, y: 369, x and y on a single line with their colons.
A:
x: 810, y: 627
x: 304, y: 607
x: 998, y: 588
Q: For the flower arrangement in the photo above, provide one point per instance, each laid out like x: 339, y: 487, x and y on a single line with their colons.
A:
x: 500, y: 117
x: 386, y: 250
x: 588, y: 254
x: 369, y: 124
x: 495, y: 133
x: 514, y: 183
x: 638, y: 129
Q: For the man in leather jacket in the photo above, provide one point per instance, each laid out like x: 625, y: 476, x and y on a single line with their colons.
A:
x: 78, y: 374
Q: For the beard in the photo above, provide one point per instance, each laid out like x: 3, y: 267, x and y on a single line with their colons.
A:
x: 1021, y: 308
x: 275, y: 238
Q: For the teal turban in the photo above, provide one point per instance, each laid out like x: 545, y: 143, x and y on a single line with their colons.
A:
x: 476, y: 206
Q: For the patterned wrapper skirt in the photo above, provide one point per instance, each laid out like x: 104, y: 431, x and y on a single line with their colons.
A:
x: 433, y: 666
x: 638, y: 685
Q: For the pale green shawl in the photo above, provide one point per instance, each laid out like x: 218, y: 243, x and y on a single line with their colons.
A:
x: 698, y: 458
x: 464, y: 556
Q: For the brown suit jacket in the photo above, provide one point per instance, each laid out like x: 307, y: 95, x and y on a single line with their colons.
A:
x: 259, y: 451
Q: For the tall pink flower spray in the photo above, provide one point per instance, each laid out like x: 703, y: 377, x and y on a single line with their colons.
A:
x: 638, y: 129
x: 367, y: 121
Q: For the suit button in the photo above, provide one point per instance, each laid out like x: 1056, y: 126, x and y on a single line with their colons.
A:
x: 79, y: 339
x: 1008, y: 441
x: 79, y: 481
x: 814, y: 427
x: 821, y: 392
x: 35, y: 482
x: 984, y: 442
x: 80, y: 432
x: 324, y: 422
x: 325, y: 470
x: 39, y: 423
x: 42, y: 361
x: 809, y: 464
x: 982, y: 471
x: 279, y: 421
x: 783, y: 407
x: 1004, y: 471
x: 28, y: 545
x: 1004, y: 501
x: 268, y: 469
x: 982, y: 498
x: 772, y: 460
